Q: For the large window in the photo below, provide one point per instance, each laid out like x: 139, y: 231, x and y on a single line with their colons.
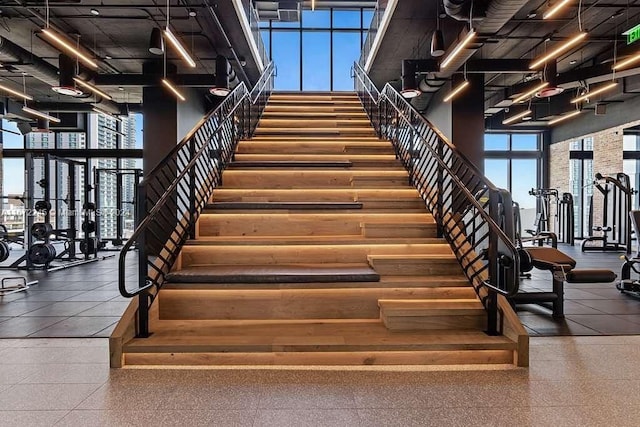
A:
x: 317, y: 53
x: 513, y: 161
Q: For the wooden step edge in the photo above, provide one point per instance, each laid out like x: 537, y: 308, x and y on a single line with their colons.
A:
x: 430, y: 307
x: 284, y: 205
x: 347, y: 240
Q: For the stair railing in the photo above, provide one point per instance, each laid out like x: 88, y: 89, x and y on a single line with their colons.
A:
x: 171, y: 197
x: 473, y: 215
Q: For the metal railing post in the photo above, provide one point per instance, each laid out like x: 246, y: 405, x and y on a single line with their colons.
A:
x: 143, y: 297
x: 440, y: 191
x: 192, y: 191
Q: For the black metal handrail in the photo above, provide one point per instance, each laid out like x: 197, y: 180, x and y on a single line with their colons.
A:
x: 172, y: 196
x: 472, y: 214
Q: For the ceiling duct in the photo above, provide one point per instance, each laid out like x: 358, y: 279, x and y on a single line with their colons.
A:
x: 550, y: 75
x: 289, y: 11
x: 461, y: 9
x: 22, y: 60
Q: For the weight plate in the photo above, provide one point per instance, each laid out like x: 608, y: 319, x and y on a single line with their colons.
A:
x: 4, y: 251
x: 89, y: 226
x: 41, y: 253
x: 41, y: 230
x: 43, y: 206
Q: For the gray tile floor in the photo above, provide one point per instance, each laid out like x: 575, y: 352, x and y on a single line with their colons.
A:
x: 81, y: 301
x: 572, y: 381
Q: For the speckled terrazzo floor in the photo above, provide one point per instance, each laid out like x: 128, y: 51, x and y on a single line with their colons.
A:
x: 572, y: 381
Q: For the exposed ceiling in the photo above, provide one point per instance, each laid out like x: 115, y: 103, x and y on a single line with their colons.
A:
x: 524, y: 35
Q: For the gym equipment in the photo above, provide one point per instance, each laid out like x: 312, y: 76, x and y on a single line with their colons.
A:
x: 546, y: 197
x: 540, y: 237
x: 4, y: 250
x: 43, y: 206
x: 565, y: 229
x: 562, y: 268
x: 89, y: 246
x: 89, y: 226
x: 615, y: 231
x: 41, y: 230
x: 627, y: 284
x: 41, y: 253
x: 20, y: 286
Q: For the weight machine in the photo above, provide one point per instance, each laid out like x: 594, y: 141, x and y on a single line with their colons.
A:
x: 122, y: 207
x: 615, y: 231
x: 45, y: 206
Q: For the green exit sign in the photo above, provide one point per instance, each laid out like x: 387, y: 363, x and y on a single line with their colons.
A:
x: 633, y: 34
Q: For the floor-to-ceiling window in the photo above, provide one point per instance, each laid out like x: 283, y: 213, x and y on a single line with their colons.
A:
x: 513, y: 161
x: 317, y: 52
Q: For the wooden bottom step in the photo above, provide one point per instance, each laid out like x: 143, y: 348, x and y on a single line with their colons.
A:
x: 339, y: 342
x: 288, y: 273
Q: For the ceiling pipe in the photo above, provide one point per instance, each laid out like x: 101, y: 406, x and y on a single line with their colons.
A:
x: 26, y: 62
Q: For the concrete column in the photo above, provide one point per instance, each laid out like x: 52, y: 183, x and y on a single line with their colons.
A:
x: 467, y: 119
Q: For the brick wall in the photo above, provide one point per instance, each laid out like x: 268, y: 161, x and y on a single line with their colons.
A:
x: 607, y: 159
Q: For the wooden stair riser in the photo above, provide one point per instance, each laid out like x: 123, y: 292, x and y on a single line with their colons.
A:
x: 296, y: 114
x: 425, y: 323
x: 382, y: 161
x: 305, y: 224
x: 450, y: 281
x: 310, y: 148
x: 317, y: 131
x: 363, y: 195
x: 340, y: 303
x: 407, y: 229
x: 355, y: 358
x: 325, y: 124
x: 414, y: 266
x: 299, y: 254
x: 284, y: 178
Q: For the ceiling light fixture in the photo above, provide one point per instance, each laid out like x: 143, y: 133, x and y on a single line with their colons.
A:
x: 564, y: 117
x: 178, y: 46
x: 40, y: 114
x: 156, y: 43
x: 558, y: 50
x: 173, y: 89
x: 456, y: 91
x: 16, y: 93
x: 456, y: 51
x: 95, y: 12
x: 313, y: 4
x: 221, y: 87
x: 173, y: 40
x: 51, y: 35
x: 549, y: 13
x: 627, y: 62
x: 105, y: 113
x: 67, y: 68
x: 594, y: 92
x: 530, y: 93
x: 437, y: 38
x: 92, y: 88
x: 516, y: 117
x: 409, y: 83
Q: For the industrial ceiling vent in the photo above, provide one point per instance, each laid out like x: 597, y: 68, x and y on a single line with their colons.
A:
x: 549, y: 75
x: 289, y: 11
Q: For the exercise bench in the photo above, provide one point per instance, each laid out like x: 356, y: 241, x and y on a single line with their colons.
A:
x: 563, y: 269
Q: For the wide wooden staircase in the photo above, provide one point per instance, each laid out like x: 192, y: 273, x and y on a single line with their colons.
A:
x: 317, y: 250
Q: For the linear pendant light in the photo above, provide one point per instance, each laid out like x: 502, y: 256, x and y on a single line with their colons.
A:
x: 313, y: 4
x: 178, y: 46
x: 16, y: 93
x: 558, y: 50
x: 594, y: 92
x: 564, y: 117
x: 516, y: 117
x: 530, y: 93
x: 173, y: 89
x: 51, y: 35
x: 455, y: 52
x: 623, y: 64
x: 92, y: 88
x: 40, y: 114
x: 549, y: 13
x: 456, y: 91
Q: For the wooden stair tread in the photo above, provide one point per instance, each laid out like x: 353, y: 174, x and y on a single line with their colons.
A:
x: 323, y: 336
x: 413, y: 257
x: 276, y: 273
x: 430, y: 307
x: 284, y: 205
